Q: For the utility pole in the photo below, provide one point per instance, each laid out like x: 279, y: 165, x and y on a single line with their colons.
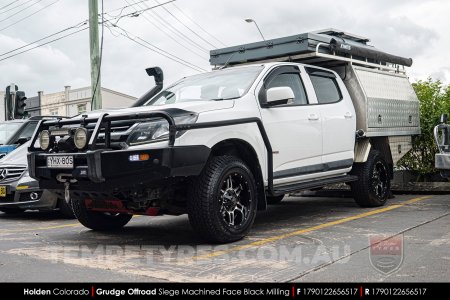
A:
x: 95, y: 55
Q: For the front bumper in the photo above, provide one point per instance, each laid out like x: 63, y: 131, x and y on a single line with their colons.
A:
x: 100, y: 170
x: 19, y: 196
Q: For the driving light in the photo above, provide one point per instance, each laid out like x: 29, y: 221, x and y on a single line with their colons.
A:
x: 80, y: 138
x: 44, y: 139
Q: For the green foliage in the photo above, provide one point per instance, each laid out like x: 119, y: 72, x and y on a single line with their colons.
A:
x: 434, y: 100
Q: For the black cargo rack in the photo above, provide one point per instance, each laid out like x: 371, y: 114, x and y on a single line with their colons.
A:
x: 326, y: 48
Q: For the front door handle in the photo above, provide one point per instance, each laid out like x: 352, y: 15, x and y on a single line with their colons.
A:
x: 313, y: 117
x: 348, y: 115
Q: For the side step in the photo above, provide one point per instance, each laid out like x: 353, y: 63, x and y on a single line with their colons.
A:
x: 312, y: 184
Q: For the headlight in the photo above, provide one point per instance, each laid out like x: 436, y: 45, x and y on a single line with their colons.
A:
x: 155, y: 131
x: 44, y: 139
x: 80, y: 138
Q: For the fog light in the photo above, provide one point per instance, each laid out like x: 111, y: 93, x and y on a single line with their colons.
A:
x: 44, y: 139
x: 80, y: 138
x: 34, y: 196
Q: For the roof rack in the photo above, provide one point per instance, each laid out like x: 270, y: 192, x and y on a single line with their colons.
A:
x: 326, y: 48
x: 343, y: 34
x: 47, y: 117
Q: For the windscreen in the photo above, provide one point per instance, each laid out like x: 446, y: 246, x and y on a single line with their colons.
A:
x: 7, y: 130
x: 217, y: 85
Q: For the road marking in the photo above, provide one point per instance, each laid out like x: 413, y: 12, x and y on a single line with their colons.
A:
x: 47, y: 228
x: 40, y: 228
x: 307, y: 230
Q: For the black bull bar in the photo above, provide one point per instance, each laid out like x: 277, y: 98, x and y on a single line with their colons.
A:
x: 104, y: 121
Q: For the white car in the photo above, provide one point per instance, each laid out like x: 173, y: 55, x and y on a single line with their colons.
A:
x: 221, y: 145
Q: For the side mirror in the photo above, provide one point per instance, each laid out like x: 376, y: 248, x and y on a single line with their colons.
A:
x: 23, y: 140
x: 444, y: 118
x: 279, y: 95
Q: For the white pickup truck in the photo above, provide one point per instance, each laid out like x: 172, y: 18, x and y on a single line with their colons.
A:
x: 224, y: 144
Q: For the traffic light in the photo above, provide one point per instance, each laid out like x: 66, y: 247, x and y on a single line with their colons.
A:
x: 9, y: 101
x: 19, y: 111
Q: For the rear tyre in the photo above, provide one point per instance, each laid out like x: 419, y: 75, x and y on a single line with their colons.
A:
x: 373, y: 186
x: 12, y: 211
x: 274, y: 199
x: 223, y: 199
x: 98, y: 221
x: 65, y: 209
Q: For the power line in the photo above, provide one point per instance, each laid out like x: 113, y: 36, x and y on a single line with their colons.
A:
x: 30, y: 15
x: 156, y: 49
x: 177, y: 31
x: 198, y: 25
x: 101, y: 55
x: 14, y: 14
x: 48, y: 36
x: 125, y: 7
x: 38, y: 46
x: 182, y: 23
x: 139, y: 12
x: 163, y: 30
x: 12, y: 8
x: 44, y: 38
x: 5, y: 6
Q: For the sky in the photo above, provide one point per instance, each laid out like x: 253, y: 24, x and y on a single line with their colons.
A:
x: 188, y: 29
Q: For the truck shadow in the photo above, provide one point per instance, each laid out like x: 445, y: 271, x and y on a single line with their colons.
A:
x: 169, y: 230
x: 34, y: 215
x: 291, y: 214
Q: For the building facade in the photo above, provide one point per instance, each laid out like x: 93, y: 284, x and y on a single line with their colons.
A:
x: 69, y: 102
x: 72, y: 102
x: 33, y: 107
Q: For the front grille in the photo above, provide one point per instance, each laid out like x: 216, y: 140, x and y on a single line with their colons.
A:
x: 8, y: 174
x: 119, y: 132
x: 104, y: 132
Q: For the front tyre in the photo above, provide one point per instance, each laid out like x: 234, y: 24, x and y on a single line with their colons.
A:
x: 372, y: 189
x: 223, y: 200
x: 98, y: 221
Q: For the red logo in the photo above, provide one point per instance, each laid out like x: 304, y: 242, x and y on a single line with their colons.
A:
x: 386, y: 253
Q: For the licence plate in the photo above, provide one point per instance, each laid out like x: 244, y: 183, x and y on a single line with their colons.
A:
x: 2, y: 191
x: 60, y: 162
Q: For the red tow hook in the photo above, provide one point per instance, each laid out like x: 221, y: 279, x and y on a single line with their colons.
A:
x: 117, y: 206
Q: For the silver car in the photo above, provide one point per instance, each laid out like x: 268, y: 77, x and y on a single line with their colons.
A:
x: 20, y: 192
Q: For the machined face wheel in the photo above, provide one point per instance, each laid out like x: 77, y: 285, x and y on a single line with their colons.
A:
x: 380, y: 180
x: 223, y: 200
x: 235, y: 200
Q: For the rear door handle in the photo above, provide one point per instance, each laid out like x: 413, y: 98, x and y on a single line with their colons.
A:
x: 313, y: 117
x: 348, y: 115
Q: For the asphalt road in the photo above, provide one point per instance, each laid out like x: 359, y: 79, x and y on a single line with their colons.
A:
x: 301, y: 239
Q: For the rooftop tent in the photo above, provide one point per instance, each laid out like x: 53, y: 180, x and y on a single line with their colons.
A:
x: 318, y: 48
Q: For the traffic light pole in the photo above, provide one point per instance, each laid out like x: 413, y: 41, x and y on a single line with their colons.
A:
x: 95, y: 55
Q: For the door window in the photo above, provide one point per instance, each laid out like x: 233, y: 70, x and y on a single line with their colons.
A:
x: 326, y: 89
x: 293, y: 81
